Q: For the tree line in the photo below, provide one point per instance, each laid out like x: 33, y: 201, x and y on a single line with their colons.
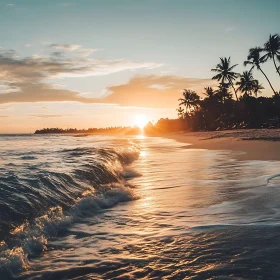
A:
x: 107, y: 130
x: 236, y: 102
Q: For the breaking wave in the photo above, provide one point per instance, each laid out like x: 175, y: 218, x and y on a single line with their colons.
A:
x: 41, y: 200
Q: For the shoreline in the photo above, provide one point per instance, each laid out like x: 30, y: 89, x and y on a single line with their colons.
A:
x: 257, y: 144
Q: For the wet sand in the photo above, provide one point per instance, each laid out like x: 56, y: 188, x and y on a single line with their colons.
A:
x: 256, y: 144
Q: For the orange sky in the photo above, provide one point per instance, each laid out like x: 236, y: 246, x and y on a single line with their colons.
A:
x: 93, y: 64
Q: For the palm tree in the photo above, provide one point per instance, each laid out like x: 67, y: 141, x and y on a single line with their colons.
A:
x: 255, y: 60
x: 181, y: 112
x: 257, y: 87
x: 246, y: 83
x: 190, y: 100
x: 225, y: 73
x: 209, y: 92
x: 272, y: 49
x: 222, y: 92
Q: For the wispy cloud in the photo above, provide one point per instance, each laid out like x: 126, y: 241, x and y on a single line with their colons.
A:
x: 48, y: 116
x: 161, y: 87
x: 24, y: 79
x: 77, y: 49
x: 38, y: 68
x: 58, y: 85
x: 65, y: 47
x: 86, y: 52
x: 28, y: 80
x: 11, y: 5
x: 6, y: 87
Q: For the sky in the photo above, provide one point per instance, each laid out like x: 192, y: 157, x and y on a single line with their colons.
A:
x: 99, y: 63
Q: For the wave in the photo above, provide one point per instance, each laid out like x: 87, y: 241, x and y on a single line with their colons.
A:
x: 270, y: 178
x: 39, y: 205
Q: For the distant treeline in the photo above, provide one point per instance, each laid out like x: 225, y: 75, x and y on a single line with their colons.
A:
x: 107, y: 130
x: 162, y: 126
x: 219, y: 110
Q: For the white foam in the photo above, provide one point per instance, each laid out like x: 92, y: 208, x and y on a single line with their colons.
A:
x: 31, y: 239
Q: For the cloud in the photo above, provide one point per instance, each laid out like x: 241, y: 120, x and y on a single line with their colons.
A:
x: 154, y: 91
x: 24, y: 79
x: 65, y: 47
x: 162, y: 87
x: 43, y: 92
x: 57, y: 54
x: 3, y: 116
x: 11, y: 5
x: 14, y: 69
x: 58, y: 85
x: 5, y: 87
x: 86, y: 52
x: 77, y: 49
x: 27, y: 80
x: 48, y: 116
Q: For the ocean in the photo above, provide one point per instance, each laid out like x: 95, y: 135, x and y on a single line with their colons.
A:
x: 107, y: 207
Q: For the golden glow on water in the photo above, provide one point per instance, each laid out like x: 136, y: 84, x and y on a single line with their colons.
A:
x: 182, y: 225
x: 141, y: 136
x: 143, y: 153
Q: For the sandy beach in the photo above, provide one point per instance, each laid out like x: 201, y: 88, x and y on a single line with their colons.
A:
x: 256, y: 144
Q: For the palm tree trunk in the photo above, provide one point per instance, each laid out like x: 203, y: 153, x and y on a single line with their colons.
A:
x: 230, y: 81
x: 268, y: 80
x: 275, y: 65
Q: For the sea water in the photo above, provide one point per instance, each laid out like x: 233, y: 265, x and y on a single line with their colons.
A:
x: 96, y: 207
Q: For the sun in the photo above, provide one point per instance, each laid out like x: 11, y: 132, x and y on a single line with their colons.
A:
x: 140, y: 121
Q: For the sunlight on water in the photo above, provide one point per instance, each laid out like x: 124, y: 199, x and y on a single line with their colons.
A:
x: 142, y: 136
x: 143, y: 154
x: 106, y: 208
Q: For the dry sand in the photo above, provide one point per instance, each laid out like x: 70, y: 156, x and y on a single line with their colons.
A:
x: 258, y: 144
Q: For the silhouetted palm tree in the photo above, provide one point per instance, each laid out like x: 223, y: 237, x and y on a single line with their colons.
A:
x: 190, y: 100
x: 225, y: 73
x: 246, y: 83
x: 209, y: 92
x: 272, y: 49
x: 222, y: 92
x: 257, y: 87
x: 181, y: 112
x: 255, y: 60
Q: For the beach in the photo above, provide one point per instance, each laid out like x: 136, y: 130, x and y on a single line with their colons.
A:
x: 140, y: 140
x: 249, y: 144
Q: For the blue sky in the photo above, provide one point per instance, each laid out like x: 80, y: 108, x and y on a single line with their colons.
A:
x: 116, y: 41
